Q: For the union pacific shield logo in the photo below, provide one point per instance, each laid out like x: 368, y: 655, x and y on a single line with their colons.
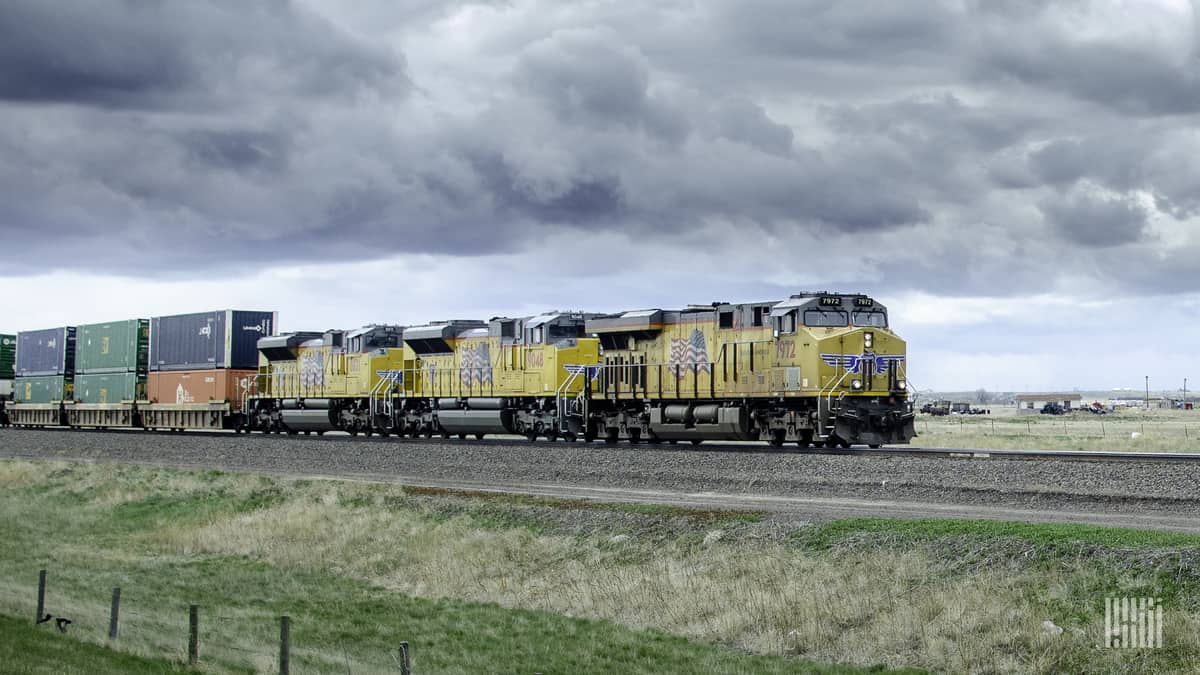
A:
x: 853, y: 362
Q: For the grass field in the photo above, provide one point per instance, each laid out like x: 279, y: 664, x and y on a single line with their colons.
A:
x: 1129, y: 429
x: 486, y: 583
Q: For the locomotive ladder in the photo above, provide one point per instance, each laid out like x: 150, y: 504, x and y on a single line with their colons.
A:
x: 566, y: 405
x: 826, y: 411
x: 381, y: 404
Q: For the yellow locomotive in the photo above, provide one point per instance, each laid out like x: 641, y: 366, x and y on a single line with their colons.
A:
x: 503, y: 376
x: 815, y: 368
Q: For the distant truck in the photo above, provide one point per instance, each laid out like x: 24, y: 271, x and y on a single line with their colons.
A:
x: 937, y: 408
x: 1053, y: 408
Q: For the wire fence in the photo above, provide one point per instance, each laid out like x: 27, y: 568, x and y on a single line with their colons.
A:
x: 195, y: 635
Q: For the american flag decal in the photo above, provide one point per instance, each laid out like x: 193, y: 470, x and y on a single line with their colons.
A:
x: 475, y: 366
x: 690, y: 352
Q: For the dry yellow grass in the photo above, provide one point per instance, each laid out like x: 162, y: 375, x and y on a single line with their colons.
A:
x: 1128, y: 430
x: 889, y: 606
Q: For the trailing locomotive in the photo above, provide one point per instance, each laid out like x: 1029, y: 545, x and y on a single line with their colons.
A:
x: 816, y: 368
x: 504, y: 376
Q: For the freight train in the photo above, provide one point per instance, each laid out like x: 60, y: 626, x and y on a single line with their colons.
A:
x: 817, y: 368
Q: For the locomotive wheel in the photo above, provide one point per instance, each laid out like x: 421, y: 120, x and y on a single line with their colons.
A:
x: 429, y: 434
x: 462, y: 437
x: 610, y: 438
x: 569, y: 437
x: 873, y: 446
x: 777, y: 437
x: 531, y: 435
x: 353, y: 431
x: 479, y: 437
x: 845, y: 445
x: 552, y: 435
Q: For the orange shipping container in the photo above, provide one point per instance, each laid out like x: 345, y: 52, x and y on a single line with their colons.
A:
x: 197, y: 386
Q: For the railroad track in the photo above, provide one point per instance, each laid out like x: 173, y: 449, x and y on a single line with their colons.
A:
x: 711, y: 446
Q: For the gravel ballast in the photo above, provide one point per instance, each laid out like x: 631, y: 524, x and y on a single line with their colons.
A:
x: 1119, y: 487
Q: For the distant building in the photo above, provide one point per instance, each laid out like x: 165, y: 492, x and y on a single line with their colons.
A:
x: 1032, y: 403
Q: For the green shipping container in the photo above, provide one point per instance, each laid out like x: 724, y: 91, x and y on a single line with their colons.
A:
x: 41, y: 389
x: 8, y: 355
x: 113, y: 347
x: 110, y: 387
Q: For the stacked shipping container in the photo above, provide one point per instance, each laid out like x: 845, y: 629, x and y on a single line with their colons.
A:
x: 205, y: 357
x: 44, y: 365
x: 111, y: 361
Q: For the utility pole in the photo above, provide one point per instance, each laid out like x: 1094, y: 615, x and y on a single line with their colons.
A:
x: 1185, y: 392
x: 1147, y: 392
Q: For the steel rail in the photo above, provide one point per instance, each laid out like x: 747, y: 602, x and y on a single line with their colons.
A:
x: 708, y: 446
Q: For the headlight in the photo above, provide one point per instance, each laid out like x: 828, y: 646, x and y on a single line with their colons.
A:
x: 901, y: 385
x: 868, y: 339
x: 856, y: 384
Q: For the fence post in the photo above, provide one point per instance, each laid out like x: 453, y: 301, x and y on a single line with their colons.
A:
x: 41, y: 605
x: 114, y: 613
x: 285, y: 644
x: 405, y: 662
x: 193, y: 634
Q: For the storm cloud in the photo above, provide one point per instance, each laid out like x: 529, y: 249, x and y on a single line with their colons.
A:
x: 967, y: 147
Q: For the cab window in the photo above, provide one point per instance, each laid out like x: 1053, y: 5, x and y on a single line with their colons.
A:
x: 825, y: 317
x: 565, y: 332
x: 787, y: 323
x: 873, y: 318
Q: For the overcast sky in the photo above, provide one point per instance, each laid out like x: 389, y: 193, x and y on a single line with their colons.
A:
x: 1018, y: 181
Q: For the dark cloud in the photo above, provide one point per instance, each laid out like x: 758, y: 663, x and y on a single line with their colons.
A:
x: 1096, y: 220
x: 148, y: 54
x: 886, y: 141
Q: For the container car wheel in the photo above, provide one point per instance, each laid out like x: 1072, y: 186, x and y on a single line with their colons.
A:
x: 462, y: 437
x: 531, y: 435
x: 777, y: 437
x: 610, y: 438
x: 479, y: 437
x: 697, y: 441
x: 873, y: 446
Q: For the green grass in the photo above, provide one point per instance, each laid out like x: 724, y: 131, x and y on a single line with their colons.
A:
x: 94, y: 528
x: 1036, y: 534
x: 481, y: 582
x: 26, y: 649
